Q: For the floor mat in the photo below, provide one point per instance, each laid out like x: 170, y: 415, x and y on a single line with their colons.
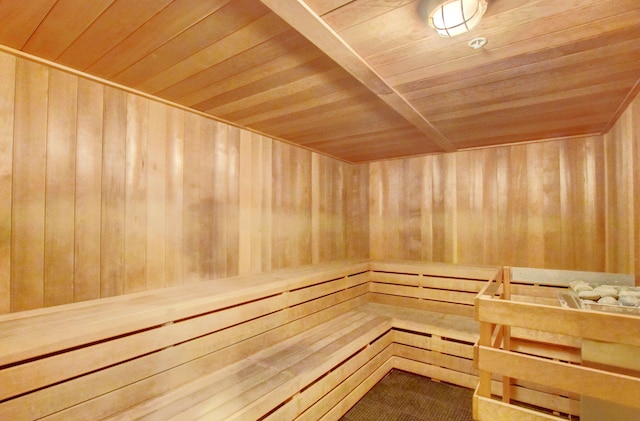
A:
x: 403, y: 396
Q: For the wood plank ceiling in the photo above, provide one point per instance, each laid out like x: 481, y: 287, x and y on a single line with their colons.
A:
x: 360, y: 80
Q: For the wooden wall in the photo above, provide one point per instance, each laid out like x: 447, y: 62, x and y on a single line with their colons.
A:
x: 566, y: 204
x: 103, y: 192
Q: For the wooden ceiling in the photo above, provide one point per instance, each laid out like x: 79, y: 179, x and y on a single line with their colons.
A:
x: 360, y: 80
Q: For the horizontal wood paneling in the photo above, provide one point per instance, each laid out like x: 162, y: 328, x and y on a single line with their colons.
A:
x: 565, y: 204
x: 106, y: 192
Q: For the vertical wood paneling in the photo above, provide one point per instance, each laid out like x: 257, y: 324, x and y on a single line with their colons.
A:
x: 317, y: 204
x: 376, y: 234
x: 174, y: 274
x: 280, y: 206
x: 112, y: 237
x: 28, y: 194
x: 552, y: 211
x: 248, y: 178
x: 88, y: 193
x: 490, y: 233
x: 267, y: 203
x: 7, y: 110
x: 566, y: 204
x: 516, y: 207
x: 135, y: 239
x: 191, y: 198
x: 412, y: 208
x: 391, y: 195
x: 199, y: 248
x: 220, y: 211
x: 260, y: 228
x: 109, y: 193
x: 620, y: 198
x: 207, y: 218
x: 60, y: 189
x: 156, y: 181
x: 502, y: 202
x: 357, y: 210
x: 233, y: 201
x: 634, y: 137
x: 535, y: 205
x: 300, y: 250
x: 426, y: 226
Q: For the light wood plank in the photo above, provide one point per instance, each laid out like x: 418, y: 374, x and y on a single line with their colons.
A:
x: 201, y: 34
x: 175, y: 155
x: 112, y: 236
x: 65, y: 22
x: 29, y: 180
x: 112, y: 27
x: 7, y: 112
x: 60, y: 189
x: 211, y: 41
x: 169, y: 23
x: 490, y: 409
x: 21, y: 20
x: 246, y: 181
x: 578, y: 379
x: 156, y: 195
x: 88, y: 190
x: 308, y: 23
x: 135, y: 194
x: 257, y: 207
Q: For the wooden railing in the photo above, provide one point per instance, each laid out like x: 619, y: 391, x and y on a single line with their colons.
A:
x: 549, y: 381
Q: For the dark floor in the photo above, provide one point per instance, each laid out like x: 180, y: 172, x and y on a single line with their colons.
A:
x: 409, y: 397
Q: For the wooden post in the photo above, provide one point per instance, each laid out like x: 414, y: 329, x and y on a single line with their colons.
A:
x: 506, y: 334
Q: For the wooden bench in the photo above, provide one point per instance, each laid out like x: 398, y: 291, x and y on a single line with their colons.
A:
x: 301, y: 343
x: 432, y: 307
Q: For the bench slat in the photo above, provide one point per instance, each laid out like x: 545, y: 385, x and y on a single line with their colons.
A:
x: 305, y: 340
x: 446, y: 325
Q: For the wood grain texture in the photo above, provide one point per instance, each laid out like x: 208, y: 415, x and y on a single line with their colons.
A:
x: 88, y: 194
x: 621, y: 152
x: 29, y: 181
x: 110, y: 193
x: 565, y: 204
x: 360, y: 80
x: 60, y: 188
x: 113, y: 193
x: 135, y: 203
x: 174, y: 180
x: 7, y: 111
x: 156, y: 195
x: 160, y: 196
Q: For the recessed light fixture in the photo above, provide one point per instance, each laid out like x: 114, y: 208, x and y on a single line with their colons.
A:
x: 478, y: 43
x: 452, y: 17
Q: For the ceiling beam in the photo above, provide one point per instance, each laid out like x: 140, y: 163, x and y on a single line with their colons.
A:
x: 304, y: 20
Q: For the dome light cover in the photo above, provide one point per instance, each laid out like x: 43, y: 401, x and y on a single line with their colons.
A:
x: 452, y: 17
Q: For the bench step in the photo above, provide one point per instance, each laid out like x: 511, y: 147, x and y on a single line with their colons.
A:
x: 254, y: 386
x: 446, y: 325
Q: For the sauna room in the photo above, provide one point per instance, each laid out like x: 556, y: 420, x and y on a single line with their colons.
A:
x: 265, y: 209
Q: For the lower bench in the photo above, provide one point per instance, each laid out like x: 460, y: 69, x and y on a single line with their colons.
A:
x: 302, y: 343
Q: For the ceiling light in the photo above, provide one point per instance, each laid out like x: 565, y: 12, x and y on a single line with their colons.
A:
x: 452, y: 17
